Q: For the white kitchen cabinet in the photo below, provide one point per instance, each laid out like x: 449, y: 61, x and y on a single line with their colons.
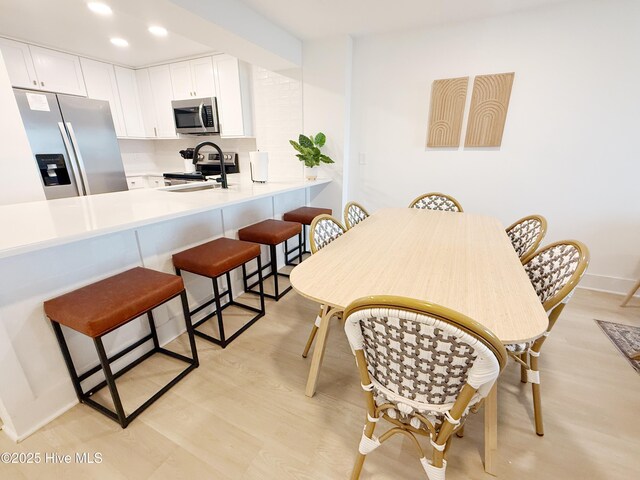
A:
x: 202, y: 77
x: 100, y: 80
x: 160, y: 82
x: 233, y: 79
x: 182, y: 86
x: 135, y: 183
x: 130, y: 101
x: 58, y: 72
x: 193, y: 79
x: 17, y: 58
x: 147, y: 103
x: 155, y: 181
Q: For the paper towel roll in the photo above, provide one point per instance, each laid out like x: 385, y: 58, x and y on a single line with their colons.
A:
x: 189, y: 167
x: 259, y: 162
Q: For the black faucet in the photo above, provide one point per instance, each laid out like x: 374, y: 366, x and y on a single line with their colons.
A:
x: 223, y: 173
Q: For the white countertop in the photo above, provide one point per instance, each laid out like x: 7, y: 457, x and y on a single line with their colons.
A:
x: 32, y: 226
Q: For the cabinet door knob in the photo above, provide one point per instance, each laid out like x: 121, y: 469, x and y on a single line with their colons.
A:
x: 42, y: 83
x: 35, y: 83
x: 155, y: 131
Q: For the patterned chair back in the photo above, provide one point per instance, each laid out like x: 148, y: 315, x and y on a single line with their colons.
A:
x: 526, y: 234
x: 555, y: 270
x: 436, y: 201
x: 354, y: 213
x: 324, y: 230
x: 419, y: 356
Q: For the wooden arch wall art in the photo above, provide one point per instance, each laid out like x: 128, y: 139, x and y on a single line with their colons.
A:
x: 488, y: 113
x: 448, y: 98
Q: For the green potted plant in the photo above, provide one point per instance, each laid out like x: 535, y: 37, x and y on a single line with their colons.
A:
x: 308, y: 149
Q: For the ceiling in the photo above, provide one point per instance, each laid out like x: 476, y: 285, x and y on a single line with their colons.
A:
x: 308, y: 19
x: 70, y: 26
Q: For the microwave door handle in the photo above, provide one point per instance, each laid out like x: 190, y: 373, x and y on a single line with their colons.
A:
x: 200, y: 112
x: 83, y: 171
x: 72, y: 159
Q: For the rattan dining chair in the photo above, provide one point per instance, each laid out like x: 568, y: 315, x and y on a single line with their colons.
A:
x: 354, y: 213
x: 526, y: 234
x: 423, y: 368
x: 324, y: 229
x: 436, y: 201
x: 554, y: 271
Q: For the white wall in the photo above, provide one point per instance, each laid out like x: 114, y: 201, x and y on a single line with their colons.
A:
x: 277, y: 102
x: 162, y: 156
x: 16, y: 157
x: 327, y: 104
x: 569, y: 150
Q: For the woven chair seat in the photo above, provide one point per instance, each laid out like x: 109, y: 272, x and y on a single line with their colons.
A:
x: 405, y: 411
x: 324, y: 230
x: 424, y: 368
x: 354, y: 213
x: 518, y: 347
x: 554, y: 272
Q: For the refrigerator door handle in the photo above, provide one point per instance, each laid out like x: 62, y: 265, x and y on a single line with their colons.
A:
x: 72, y: 160
x: 76, y: 149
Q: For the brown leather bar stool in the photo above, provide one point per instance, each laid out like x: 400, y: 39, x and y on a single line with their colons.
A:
x: 271, y: 233
x: 305, y: 216
x: 104, y: 306
x: 214, y: 259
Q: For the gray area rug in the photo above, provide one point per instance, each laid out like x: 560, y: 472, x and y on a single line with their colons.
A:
x: 625, y: 337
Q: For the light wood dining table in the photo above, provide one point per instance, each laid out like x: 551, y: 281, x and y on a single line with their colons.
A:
x: 459, y: 260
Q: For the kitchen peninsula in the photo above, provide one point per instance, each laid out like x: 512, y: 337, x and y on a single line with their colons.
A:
x: 51, y: 247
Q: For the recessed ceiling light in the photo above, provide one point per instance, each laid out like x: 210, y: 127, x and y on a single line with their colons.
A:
x: 99, y: 8
x: 120, y: 42
x: 158, y: 31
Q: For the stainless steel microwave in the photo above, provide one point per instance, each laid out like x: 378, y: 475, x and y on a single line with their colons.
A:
x: 196, y: 116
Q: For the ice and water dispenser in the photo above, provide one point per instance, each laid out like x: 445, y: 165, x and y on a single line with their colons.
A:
x: 53, y: 169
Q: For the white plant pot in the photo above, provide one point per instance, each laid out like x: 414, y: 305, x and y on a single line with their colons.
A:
x: 311, y: 173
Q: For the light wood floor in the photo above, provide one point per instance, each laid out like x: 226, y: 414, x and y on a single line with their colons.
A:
x: 243, y: 413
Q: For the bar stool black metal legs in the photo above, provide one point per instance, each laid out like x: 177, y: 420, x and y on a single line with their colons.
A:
x: 214, y: 260
x: 271, y: 233
x: 273, y: 272
x: 84, y: 311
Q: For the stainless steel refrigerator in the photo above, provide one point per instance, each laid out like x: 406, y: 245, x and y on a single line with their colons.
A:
x: 73, y: 142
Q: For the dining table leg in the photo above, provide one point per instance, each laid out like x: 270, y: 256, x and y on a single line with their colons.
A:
x: 318, y: 351
x: 491, y: 430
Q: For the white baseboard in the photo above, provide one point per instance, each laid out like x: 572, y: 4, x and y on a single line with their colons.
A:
x: 18, y: 438
x: 10, y: 433
x: 604, y: 283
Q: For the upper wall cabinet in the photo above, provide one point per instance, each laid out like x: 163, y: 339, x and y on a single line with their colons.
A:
x: 57, y: 71
x: 42, y: 69
x: 162, y: 94
x: 140, y: 100
x: 233, y: 79
x: 202, y: 77
x: 101, y: 84
x: 192, y: 78
x: 147, y: 103
x: 130, y: 101
x: 17, y: 58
